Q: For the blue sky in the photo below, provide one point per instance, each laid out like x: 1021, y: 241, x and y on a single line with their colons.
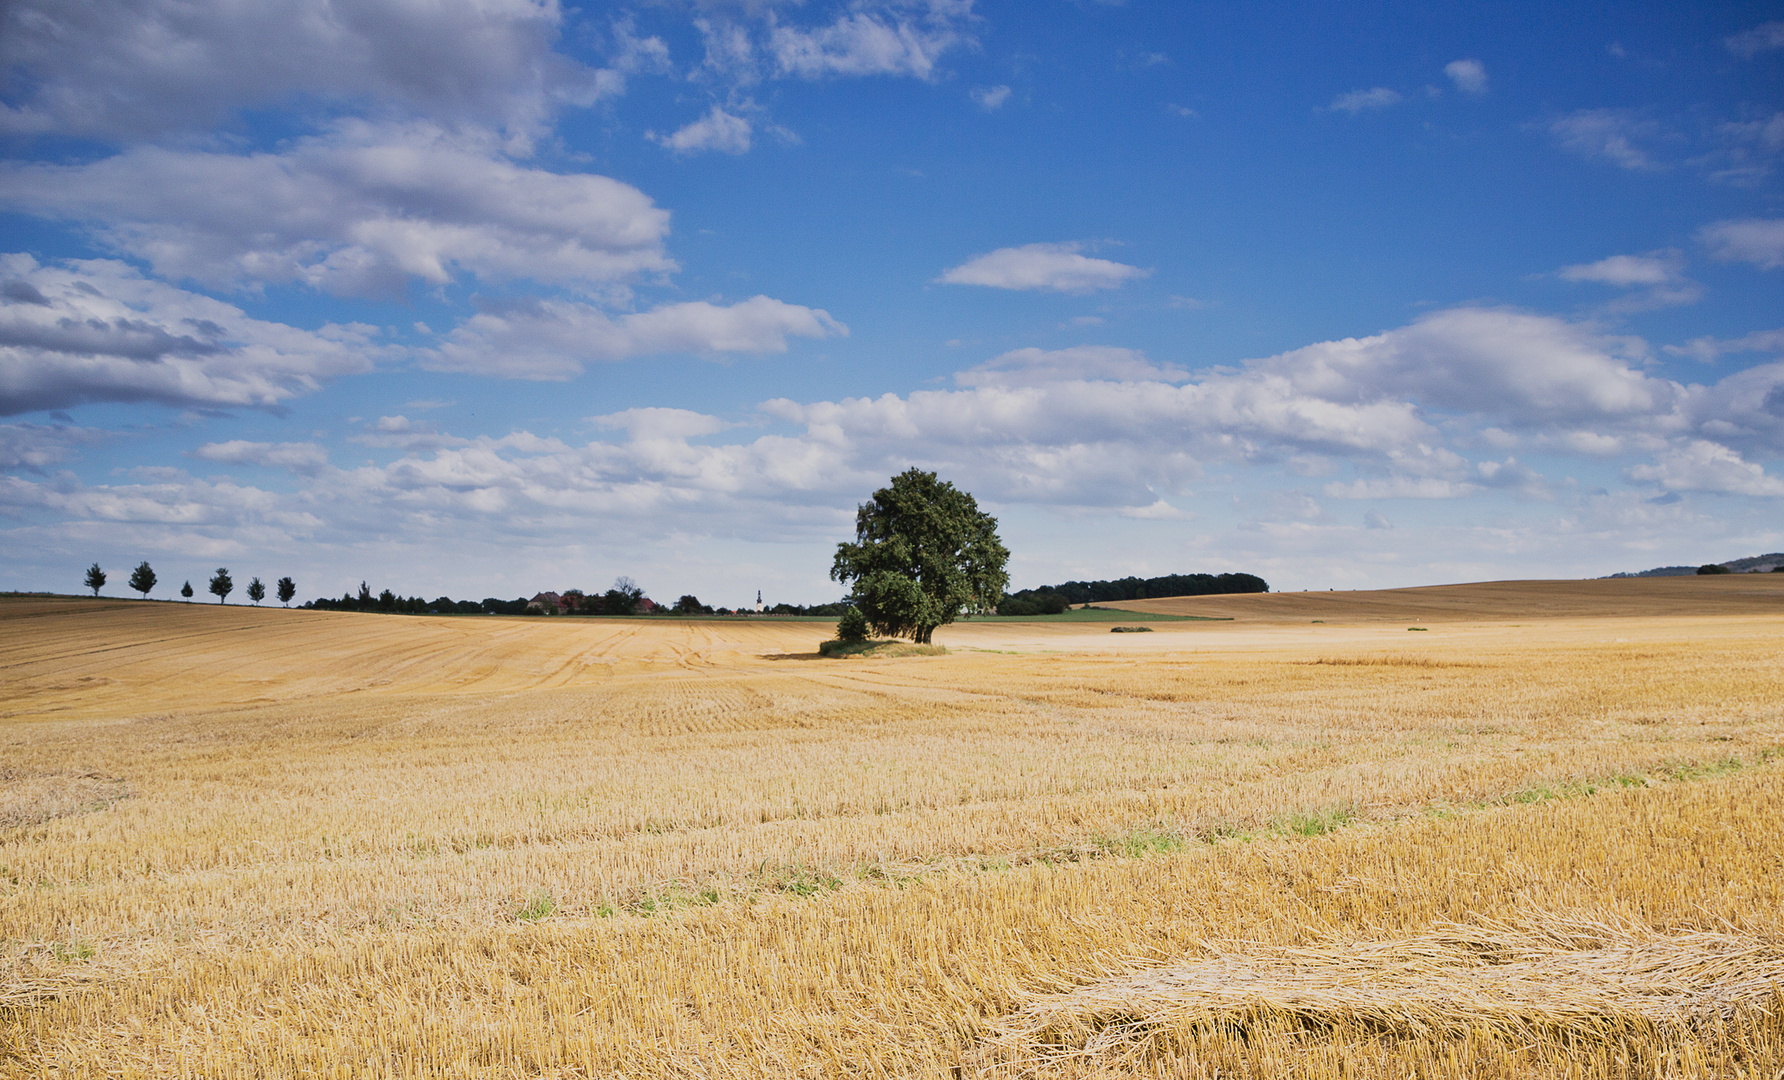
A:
x: 482, y: 297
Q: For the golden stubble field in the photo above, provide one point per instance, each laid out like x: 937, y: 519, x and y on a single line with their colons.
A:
x: 1538, y: 837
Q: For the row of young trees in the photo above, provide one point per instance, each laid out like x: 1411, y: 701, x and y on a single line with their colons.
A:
x: 144, y: 579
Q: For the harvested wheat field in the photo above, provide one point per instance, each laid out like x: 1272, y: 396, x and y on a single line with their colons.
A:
x: 1537, y: 837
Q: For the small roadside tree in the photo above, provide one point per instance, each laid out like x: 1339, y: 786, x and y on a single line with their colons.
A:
x: 142, y: 579
x: 186, y: 591
x: 256, y: 591
x: 95, y: 578
x: 923, y: 553
x: 221, y: 585
x: 623, y: 598
x: 287, y: 590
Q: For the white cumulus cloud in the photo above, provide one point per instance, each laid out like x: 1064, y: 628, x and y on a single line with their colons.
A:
x: 1700, y: 465
x: 1055, y: 267
x: 360, y: 211
x: 98, y: 331
x: 150, y: 67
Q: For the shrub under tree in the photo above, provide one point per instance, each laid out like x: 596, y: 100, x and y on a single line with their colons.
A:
x: 222, y: 585
x: 287, y: 590
x: 95, y: 578
x: 923, y: 553
x: 852, y: 626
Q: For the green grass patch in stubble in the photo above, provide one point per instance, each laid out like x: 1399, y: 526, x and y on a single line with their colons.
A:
x: 1673, y: 772
x: 1145, y: 841
x: 540, y: 905
x: 1141, y: 842
x: 1317, y: 822
x: 877, y: 649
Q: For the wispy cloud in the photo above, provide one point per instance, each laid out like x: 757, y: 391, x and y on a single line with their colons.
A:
x: 554, y: 338
x: 879, y: 39
x: 717, y: 130
x: 1708, y: 349
x: 1759, y: 241
x: 1613, y: 135
x: 1762, y: 38
x: 304, y: 459
x: 1659, y: 274
x: 1470, y: 76
x: 1052, y: 267
x: 991, y: 98
x: 1358, y: 101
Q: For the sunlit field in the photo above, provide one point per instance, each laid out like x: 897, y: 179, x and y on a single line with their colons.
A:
x: 1522, y: 829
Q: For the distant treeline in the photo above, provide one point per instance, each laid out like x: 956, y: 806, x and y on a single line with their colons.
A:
x: 390, y: 602
x: 623, y: 599
x: 1053, y: 599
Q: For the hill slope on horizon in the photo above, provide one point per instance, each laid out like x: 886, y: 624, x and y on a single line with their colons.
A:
x: 1760, y: 563
x: 1722, y: 594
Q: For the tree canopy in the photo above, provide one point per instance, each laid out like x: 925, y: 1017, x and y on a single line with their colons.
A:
x: 222, y: 585
x: 287, y: 590
x: 142, y: 579
x: 923, y: 553
x: 95, y: 578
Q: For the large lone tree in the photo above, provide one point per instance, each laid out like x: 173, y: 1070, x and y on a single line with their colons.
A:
x: 923, y: 553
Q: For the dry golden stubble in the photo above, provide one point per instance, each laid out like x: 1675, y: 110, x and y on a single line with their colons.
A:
x: 428, y: 814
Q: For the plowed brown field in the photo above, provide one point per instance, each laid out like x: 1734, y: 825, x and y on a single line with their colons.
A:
x: 257, y: 842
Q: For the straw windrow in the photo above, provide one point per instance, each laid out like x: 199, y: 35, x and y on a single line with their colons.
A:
x: 1543, y: 975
